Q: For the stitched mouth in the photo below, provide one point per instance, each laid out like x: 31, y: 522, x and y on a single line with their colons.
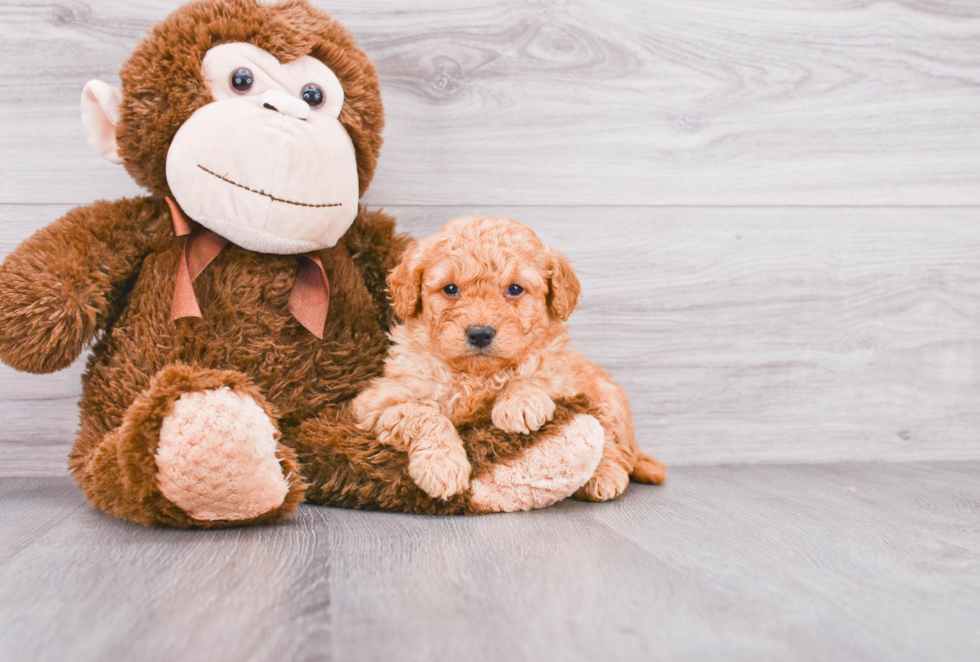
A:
x: 268, y: 195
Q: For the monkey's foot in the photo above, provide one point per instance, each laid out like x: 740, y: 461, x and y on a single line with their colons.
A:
x: 198, y: 448
x: 551, y: 470
x: 216, y: 457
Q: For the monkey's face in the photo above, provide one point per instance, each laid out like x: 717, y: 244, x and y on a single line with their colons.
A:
x: 267, y: 164
x: 262, y: 119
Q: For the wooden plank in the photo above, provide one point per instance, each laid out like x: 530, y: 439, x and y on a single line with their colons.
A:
x: 164, y: 586
x: 741, y: 335
x: 584, y: 102
x: 725, y: 563
x: 859, y: 562
x: 31, y: 508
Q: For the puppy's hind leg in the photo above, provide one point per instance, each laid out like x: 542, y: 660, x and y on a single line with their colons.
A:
x: 649, y: 470
x: 611, y: 476
x: 621, y: 457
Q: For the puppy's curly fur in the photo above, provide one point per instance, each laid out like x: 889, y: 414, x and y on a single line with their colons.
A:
x: 494, y: 276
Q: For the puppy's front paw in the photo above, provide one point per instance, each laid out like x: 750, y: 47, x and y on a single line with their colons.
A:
x: 523, y: 412
x: 440, y: 474
x: 608, y: 482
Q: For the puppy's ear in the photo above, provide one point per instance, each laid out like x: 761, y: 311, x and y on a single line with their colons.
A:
x: 563, y: 286
x: 405, y: 283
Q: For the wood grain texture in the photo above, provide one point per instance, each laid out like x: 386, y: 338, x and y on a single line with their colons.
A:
x: 741, y: 335
x: 629, y: 102
x: 30, y: 508
x: 753, y: 333
x: 833, y: 562
x: 773, y: 208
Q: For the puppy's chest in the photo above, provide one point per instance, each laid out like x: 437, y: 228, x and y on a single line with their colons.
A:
x: 462, y: 398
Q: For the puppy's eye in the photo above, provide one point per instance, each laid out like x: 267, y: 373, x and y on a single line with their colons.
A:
x: 515, y: 290
x: 451, y: 290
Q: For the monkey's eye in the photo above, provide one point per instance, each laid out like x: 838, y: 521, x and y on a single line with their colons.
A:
x: 515, y: 290
x: 451, y: 290
x: 241, y: 80
x: 313, y: 95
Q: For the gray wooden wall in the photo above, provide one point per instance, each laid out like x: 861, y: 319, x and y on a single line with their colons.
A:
x: 774, y: 206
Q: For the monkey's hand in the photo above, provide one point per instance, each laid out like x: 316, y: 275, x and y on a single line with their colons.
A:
x: 522, y: 409
x: 60, y: 286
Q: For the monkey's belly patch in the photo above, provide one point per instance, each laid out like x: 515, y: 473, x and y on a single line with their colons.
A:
x: 217, y: 457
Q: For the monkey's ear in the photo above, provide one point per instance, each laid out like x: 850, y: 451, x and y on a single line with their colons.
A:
x: 405, y: 283
x: 100, y: 114
x: 563, y: 286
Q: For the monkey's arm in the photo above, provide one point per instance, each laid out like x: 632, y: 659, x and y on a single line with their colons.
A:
x: 376, y: 247
x: 64, y: 283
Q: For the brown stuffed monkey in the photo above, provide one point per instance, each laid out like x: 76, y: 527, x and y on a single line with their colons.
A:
x: 235, y: 311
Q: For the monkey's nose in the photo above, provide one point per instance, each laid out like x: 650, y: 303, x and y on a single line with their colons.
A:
x: 283, y: 103
x: 480, y: 336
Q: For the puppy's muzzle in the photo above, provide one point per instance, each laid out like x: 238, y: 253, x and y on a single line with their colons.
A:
x: 480, y: 336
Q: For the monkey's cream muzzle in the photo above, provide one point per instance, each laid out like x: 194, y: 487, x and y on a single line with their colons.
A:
x: 263, y: 169
x: 259, y: 165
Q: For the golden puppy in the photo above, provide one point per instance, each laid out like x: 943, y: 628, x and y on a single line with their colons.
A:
x: 484, y: 305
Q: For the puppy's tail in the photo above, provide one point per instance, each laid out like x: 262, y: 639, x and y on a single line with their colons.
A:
x: 648, y: 470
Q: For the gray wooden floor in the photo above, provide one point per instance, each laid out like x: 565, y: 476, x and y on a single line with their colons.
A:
x: 774, y: 208
x: 872, y: 561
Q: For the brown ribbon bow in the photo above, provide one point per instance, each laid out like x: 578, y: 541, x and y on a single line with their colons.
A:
x: 308, y: 302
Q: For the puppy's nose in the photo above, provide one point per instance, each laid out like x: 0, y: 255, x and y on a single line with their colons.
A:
x: 480, y: 336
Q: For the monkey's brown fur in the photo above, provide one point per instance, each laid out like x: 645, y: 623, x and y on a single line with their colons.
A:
x: 105, y: 274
